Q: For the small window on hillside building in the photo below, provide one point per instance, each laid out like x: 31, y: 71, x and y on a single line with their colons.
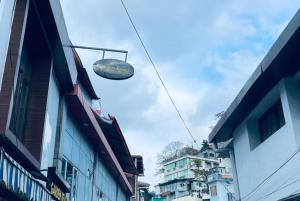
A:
x: 271, y: 121
x: 213, y: 191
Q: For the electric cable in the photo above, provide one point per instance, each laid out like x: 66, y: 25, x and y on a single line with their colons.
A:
x: 157, y: 73
x: 279, y: 189
x: 251, y: 193
x: 282, y: 186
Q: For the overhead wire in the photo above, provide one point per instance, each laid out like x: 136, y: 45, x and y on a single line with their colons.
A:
x: 157, y: 73
x: 278, y: 189
x: 282, y: 186
x: 262, y: 183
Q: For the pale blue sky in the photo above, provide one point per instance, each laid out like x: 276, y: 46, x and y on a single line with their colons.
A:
x: 204, y: 51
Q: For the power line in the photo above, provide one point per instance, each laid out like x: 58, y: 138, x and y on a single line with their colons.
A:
x: 282, y: 186
x: 157, y: 73
x: 251, y: 193
x: 279, y: 189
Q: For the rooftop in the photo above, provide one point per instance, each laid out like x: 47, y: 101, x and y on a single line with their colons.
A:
x: 192, y: 157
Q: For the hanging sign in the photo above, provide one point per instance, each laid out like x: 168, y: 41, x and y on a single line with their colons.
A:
x: 113, y: 69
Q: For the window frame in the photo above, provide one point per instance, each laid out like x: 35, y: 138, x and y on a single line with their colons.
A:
x: 271, y: 121
x: 213, y: 191
x: 74, y: 179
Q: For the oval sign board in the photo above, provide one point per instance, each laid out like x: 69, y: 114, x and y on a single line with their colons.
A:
x: 113, y: 69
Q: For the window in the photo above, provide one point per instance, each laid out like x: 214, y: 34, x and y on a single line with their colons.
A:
x: 17, y: 122
x: 213, y: 191
x: 207, y: 164
x: 70, y: 173
x: 230, y: 197
x: 181, y: 163
x: 271, y: 121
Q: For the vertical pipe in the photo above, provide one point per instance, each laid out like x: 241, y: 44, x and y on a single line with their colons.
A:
x: 235, y: 176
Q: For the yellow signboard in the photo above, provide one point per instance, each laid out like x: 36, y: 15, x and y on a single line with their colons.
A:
x: 57, y: 193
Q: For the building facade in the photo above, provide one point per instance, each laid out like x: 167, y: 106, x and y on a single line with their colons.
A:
x: 220, y: 184
x: 179, y: 177
x: 183, y: 167
x: 54, y: 146
x: 263, y: 124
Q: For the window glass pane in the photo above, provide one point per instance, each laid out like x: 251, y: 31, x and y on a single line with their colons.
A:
x: 21, y: 93
x: 63, y: 167
x: 74, y: 186
x: 271, y: 121
x: 69, y: 174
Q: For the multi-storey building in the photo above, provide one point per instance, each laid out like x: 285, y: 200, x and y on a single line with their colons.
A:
x: 263, y: 124
x: 183, y: 167
x: 54, y: 146
x: 179, y: 177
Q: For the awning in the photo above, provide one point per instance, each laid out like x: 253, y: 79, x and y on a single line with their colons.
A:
x: 115, y: 138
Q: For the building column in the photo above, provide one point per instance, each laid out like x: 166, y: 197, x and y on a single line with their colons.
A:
x: 234, y: 174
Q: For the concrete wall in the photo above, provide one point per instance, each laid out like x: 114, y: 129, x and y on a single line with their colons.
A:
x: 76, y: 149
x: 6, y: 13
x: 50, y: 125
x: 223, y: 189
x: 256, y: 161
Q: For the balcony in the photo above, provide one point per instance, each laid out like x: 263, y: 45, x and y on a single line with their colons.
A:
x: 218, y: 173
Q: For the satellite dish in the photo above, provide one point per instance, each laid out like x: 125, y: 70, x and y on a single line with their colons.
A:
x: 113, y: 69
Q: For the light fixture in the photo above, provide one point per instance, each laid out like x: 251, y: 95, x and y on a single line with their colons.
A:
x: 113, y: 69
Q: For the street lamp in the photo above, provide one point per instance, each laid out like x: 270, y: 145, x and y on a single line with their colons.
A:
x: 113, y: 69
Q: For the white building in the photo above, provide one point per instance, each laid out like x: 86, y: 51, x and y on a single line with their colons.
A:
x: 179, y: 178
x: 220, y: 184
x: 183, y: 167
x: 264, y: 124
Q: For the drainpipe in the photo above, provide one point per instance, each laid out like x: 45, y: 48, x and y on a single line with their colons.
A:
x: 234, y: 171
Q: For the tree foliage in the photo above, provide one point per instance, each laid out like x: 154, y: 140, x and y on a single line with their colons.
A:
x: 205, y: 145
x: 200, y: 173
x: 170, y: 152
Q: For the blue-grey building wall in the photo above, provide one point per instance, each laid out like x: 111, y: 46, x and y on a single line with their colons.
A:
x: 75, y: 148
x: 6, y: 14
x: 50, y: 126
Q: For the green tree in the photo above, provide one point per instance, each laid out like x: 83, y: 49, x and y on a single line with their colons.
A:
x: 200, y: 173
x: 205, y: 145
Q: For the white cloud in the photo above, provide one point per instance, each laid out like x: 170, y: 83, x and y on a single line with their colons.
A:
x: 184, y: 39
